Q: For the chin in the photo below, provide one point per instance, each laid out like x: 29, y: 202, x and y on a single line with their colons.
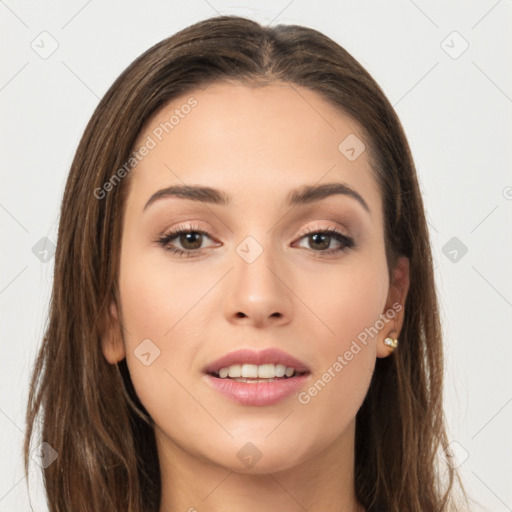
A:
x: 254, y: 457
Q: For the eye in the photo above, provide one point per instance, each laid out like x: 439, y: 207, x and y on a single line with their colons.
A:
x: 322, y: 241
x: 189, y: 237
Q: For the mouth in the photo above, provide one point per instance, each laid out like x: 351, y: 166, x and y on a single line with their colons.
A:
x: 257, y: 378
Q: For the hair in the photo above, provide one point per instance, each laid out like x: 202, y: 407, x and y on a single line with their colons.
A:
x: 88, y: 409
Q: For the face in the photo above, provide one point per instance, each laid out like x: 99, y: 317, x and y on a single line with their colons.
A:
x: 259, y: 265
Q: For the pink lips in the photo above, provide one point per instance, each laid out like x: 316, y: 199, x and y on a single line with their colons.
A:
x: 258, y: 392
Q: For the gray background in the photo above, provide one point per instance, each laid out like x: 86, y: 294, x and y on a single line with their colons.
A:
x: 455, y: 105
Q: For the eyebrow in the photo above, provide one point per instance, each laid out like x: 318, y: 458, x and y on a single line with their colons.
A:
x: 303, y: 195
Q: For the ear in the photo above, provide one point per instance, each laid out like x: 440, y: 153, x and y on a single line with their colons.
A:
x: 111, y: 338
x: 395, y: 306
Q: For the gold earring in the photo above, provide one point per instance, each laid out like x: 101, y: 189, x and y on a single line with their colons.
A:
x: 391, y: 342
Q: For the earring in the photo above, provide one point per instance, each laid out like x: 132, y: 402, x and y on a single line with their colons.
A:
x: 391, y: 342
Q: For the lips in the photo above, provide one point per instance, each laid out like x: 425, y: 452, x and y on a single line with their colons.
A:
x: 246, y: 356
x: 259, y: 393
x: 287, y: 376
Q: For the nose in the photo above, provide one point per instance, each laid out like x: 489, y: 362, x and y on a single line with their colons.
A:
x: 258, y: 292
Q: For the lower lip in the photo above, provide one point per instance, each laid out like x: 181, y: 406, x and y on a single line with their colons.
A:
x: 258, y: 393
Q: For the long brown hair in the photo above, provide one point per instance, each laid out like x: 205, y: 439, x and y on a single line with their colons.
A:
x: 89, y: 412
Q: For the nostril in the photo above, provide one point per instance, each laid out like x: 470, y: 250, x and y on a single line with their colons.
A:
x: 241, y: 315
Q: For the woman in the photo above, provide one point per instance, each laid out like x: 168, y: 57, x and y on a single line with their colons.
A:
x: 244, y: 311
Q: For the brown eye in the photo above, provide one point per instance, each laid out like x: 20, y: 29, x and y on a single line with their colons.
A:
x: 187, y: 241
x: 191, y: 240
x: 322, y: 241
x: 319, y: 241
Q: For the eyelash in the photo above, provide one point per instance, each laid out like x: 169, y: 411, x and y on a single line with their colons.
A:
x: 165, y: 239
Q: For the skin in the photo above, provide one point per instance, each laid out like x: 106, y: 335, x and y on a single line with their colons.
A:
x: 256, y: 144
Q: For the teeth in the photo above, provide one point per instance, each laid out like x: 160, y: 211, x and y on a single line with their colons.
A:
x: 280, y: 370
x: 267, y: 371
x: 235, y: 370
x: 223, y: 373
x: 253, y: 371
x: 249, y: 371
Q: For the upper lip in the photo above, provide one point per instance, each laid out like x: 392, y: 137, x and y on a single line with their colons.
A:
x: 266, y: 356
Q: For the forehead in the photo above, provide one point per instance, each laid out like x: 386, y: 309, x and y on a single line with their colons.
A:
x: 252, y: 141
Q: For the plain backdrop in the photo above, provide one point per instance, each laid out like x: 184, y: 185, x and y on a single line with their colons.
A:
x: 445, y: 66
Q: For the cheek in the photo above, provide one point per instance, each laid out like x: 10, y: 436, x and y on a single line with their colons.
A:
x: 348, y: 298
x: 163, y: 331
x: 158, y: 298
x: 349, y: 304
